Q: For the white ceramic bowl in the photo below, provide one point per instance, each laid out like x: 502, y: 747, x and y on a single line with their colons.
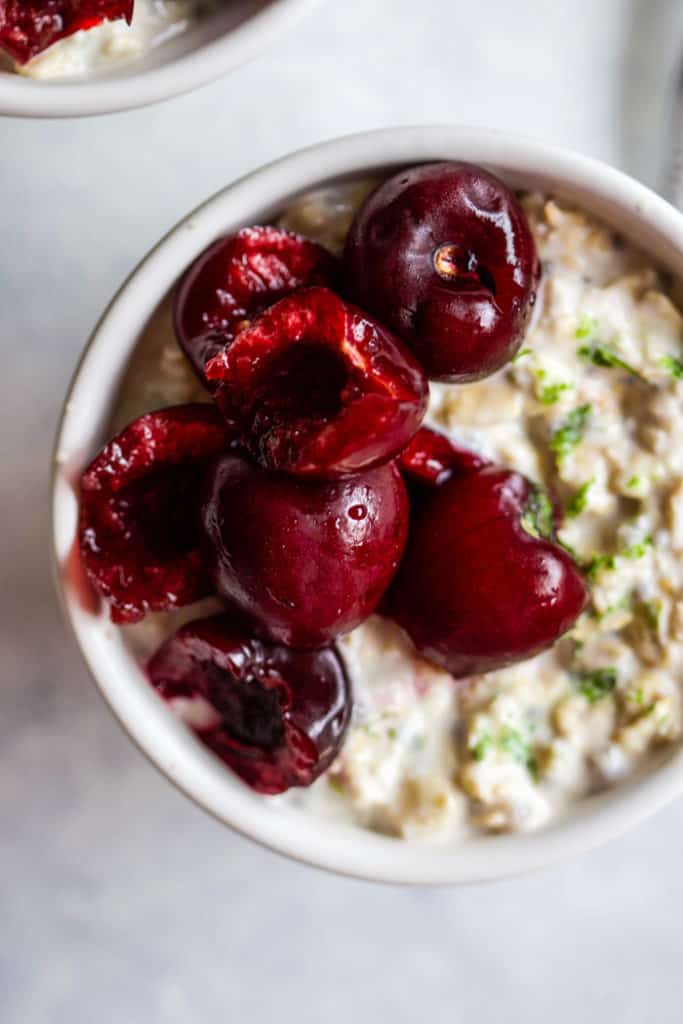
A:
x: 632, y: 209
x: 231, y: 36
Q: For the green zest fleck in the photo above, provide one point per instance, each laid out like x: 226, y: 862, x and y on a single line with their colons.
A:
x: 635, y: 483
x: 624, y: 604
x: 532, y: 767
x: 587, y: 326
x: 483, y: 744
x: 551, y: 392
x: 597, y: 563
x: 391, y: 733
x: 336, y: 784
x: 570, y: 434
x: 650, y: 612
x: 580, y: 500
x: 636, y: 551
x: 601, y: 355
x: 596, y: 684
x: 638, y: 698
x: 538, y: 516
x: 522, y: 352
x: 511, y: 742
x: 673, y: 366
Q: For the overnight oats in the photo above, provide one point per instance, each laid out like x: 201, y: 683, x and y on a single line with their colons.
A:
x: 394, y: 515
x: 59, y: 39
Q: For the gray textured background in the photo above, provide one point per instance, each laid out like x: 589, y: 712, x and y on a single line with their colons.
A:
x: 119, y: 901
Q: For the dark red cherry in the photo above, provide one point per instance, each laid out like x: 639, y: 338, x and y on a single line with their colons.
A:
x: 480, y: 586
x: 29, y: 26
x: 138, y: 530
x: 432, y: 458
x: 282, y: 713
x: 304, y: 560
x: 443, y: 255
x: 235, y: 279
x: 318, y: 388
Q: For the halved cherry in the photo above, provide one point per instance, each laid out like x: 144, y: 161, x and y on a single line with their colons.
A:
x: 29, y: 26
x: 318, y: 388
x: 282, y: 713
x: 236, y: 278
x: 432, y: 458
x: 139, y: 510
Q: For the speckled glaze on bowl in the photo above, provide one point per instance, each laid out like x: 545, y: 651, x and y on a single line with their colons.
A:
x: 639, y: 214
x: 217, y: 44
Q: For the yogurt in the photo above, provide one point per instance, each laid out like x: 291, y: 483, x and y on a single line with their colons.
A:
x: 105, y: 46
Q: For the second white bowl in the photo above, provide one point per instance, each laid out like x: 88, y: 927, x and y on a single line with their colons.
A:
x: 217, y: 44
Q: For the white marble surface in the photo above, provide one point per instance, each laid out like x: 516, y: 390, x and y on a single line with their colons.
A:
x: 120, y: 901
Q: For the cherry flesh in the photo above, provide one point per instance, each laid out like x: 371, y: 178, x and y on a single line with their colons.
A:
x: 27, y: 27
x: 318, y: 388
x: 282, y: 713
x: 476, y: 589
x: 444, y: 256
x: 304, y: 560
x: 235, y: 279
x: 139, y: 530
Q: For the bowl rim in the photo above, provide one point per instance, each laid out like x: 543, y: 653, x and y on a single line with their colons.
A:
x: 25, y: 97
x: 344, y: 849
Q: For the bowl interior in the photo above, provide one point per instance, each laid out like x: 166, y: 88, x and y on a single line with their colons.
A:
x: 626, y: 206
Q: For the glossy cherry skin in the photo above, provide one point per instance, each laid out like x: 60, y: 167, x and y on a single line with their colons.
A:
x: 139, y: 511
x: 281, y: 715
x: 238, y: 277
x: 444, y: 256
x: 432, y: 458
x: 28, y: 27
x: 318, y: 388
x: 476, y: 591
x: 305, y: 561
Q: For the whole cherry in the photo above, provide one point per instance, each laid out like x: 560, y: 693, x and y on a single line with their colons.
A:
x: 482, y: 584
x: 304, y: 560
x: 444, y: 256
x: 318, y: 388
x: 280, y: 715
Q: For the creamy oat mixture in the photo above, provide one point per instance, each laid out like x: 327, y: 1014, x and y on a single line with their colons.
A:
x: 113, y: 42
x: 592, y: 408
